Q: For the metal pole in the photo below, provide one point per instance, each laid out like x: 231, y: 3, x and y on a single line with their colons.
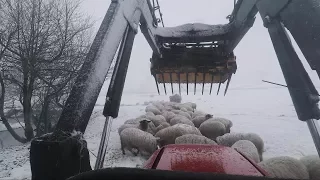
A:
x: 103, y: 143
x: 315, y: 133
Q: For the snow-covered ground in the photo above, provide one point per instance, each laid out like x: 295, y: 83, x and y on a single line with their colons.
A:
x: 268, y: 112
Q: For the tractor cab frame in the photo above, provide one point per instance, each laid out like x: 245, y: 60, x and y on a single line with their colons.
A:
x: 119, y: 28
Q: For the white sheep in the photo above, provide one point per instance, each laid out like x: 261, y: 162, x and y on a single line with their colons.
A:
x: 149, y: 114
x: 180, y: 119
x: 197, y: 113
x: 159, y: 105
x: 133, y: 138
x: 143, y: 125
x: 224, y: 121
x: 212, y: 129
x: 132, y: 121
x: 187, y: 111
x: 168, y: 115
x: 185, y: 107
x: 285, y: 167
x: 189, y: 106
x: 170, y: 105
x: 168, y: 135
x: 175, y: 98
x: 153, y: 109
x: 198, y: 120
x: 193, y: 139
x: 182, y: 113
x: 248, y: 149
x: 157, y: 120
x: 230, y: 138
x: 312, y: 162
x: 161, y: 126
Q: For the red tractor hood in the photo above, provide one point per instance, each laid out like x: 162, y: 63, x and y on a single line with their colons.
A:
x: 203, y: 158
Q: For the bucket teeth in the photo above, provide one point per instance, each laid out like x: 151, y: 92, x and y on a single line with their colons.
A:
x: 204, y: 78
x: 195, y: 83
x: 171, y: 82
x: 164, y: 84
x: 155, y: 79
x: 179, y: 84
x: 212, y: 76
x: 187, y: 83
x: 170, y: 78
x: 220, y: 81
x: 229, y: 79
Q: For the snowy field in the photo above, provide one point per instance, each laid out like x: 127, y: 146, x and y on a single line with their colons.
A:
x: 253, y: 106
x: 267, y: 112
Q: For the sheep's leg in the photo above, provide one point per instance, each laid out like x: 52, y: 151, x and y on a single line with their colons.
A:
x: 261, y: 157
x: 138, y: 151
x: 135, y: 153
x: 132, y: 151
x: 122, y: 148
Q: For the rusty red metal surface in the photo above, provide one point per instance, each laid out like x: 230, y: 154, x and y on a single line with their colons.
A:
x: 152, y: 160
x: 202, y: 158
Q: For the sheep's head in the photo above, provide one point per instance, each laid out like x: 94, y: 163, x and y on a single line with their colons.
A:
x: 208, y: 116
x: 144, y: 123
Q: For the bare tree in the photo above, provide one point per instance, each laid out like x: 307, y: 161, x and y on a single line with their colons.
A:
x: 46, y: 50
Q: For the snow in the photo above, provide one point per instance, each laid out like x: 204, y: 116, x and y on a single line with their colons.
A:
x: 196, y: 29
x: 13, y: 125
x: 267, y: 112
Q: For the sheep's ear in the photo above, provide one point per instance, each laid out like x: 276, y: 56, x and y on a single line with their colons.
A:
x: 144, y: 120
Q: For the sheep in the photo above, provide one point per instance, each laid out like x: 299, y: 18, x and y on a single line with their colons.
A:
x: 187, y: 111
x: 197, y: 121
x: 248, y: 149
x: 285, y: 167
x: 168, y: 135
x: 197, y: 113
x: 133, y: 138
x: 132, y: 121
x: 193, y: 139
x: 149, y: 114
x: 312, y: 162
x: 153, y: 109
x: 138, y: 119
x: 158, y: 105
x: 185, y: 114
x: 157, y: 120
x: 180, y: 119
x: 224, y: 121
x: 230, y: 138
x: 185, y: 107
x: 170, y: 105
x: 161, y: 126
x: 142, y: 125
x: 175, y: 98
x: 190, y: 106
x: 168, y: 115
x: 212, y: 129
x: 175, y: 111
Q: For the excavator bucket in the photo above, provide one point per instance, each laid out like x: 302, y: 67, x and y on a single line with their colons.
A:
x: 193, y: 63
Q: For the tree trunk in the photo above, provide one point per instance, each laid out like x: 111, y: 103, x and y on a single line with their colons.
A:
x: 28, y: 81
x: 45, y: 115
x: 4, y: 119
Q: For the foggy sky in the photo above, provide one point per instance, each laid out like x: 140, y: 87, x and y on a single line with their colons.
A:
x: 256, y: 57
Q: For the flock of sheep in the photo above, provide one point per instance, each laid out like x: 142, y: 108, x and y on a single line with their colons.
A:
x: 174, y: 122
